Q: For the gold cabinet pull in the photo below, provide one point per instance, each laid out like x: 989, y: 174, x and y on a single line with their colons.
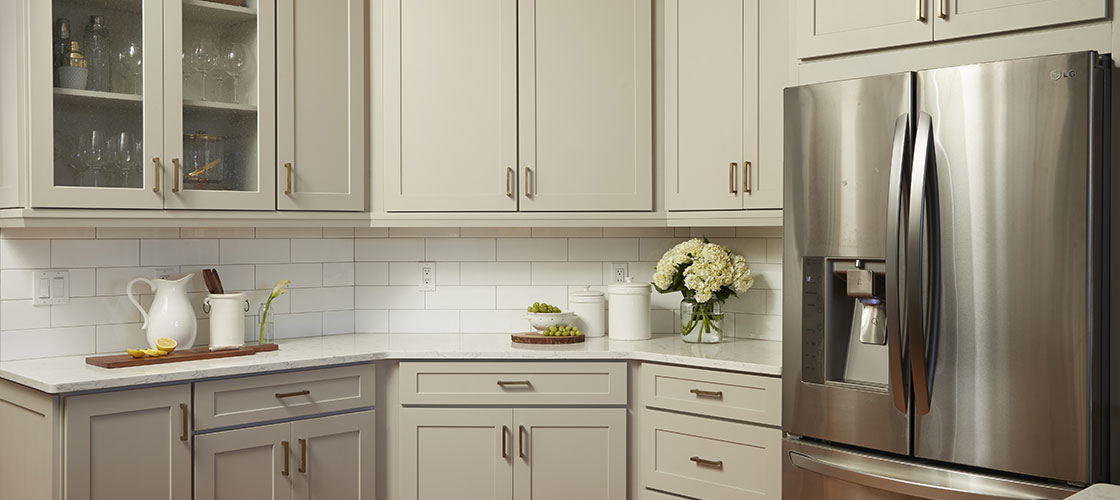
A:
x: 715, y: 464
x: 943, y: 9
x: 183, y: 420
x: 509, y: 182
x: 282, y: 395
x: 155, y: 170
x: 504, y: 383
x: 287, y: 464
x: 505, y: 430
x: 707, y: 394
x: 521, y: 441
x: 288, y: 188
x: 920, y: 13
x: 731, y: 167
x: 748, y: 185
x: 175, y: 182
x: 528, y: 192
x: 302, y: 456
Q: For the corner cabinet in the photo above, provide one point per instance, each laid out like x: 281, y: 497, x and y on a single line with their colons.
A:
x: 534, y: 107
x: 713, y: 156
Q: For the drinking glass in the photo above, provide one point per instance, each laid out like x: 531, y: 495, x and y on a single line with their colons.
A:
x: 235, y: 58
x: 131, y: 58
x: 127, y: 159
x: 203, y: 57
x: 95, y: 158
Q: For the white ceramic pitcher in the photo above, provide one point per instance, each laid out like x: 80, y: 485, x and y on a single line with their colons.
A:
x: 171, y: 314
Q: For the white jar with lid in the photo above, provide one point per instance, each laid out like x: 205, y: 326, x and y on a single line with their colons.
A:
x: 590, y: 307
x: 629, y: 310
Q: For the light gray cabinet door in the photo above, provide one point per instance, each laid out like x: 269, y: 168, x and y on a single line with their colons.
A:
x: 244, y: 464
x: 460, y: 453
x: 585, y: 104
x: 333, y: 457
x: 565, y: 453
x: 128, y: 445
x: 960, y: 18
x: 833, y: 27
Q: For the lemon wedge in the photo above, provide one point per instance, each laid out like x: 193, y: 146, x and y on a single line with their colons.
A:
x: 136, y: 353
x: 166, y: 345
x: 155, y: 353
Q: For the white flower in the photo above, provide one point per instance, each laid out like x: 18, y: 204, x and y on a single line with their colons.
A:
x: 708, y: 269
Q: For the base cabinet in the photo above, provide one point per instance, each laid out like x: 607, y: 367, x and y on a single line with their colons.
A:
x: 128, y: 445
x: 502, y: 453
x: 316, y: 459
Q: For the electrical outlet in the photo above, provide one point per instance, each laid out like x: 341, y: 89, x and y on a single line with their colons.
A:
x: 50, y: 287
x: 427, y: 276
x: 163, y: 272
x: 619, y: 272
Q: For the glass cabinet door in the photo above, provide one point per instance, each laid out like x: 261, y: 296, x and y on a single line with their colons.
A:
x: 220, y: 112
x: 105, y: 81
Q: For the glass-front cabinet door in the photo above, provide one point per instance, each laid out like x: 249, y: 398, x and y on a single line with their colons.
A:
x: 98, y: 65
x: 220, y: 124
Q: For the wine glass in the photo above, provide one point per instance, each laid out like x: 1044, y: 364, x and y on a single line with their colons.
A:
x: 127, y: 161
x: 131, y: 58
x: 235, y: 58
x: 203, y: 58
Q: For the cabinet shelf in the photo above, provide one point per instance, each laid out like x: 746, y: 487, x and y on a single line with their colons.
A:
x: 204, y: 11
x: 218, y: 106
x: 94, y: 97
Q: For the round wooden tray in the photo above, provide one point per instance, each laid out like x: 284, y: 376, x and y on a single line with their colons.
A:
x: 536, y: 338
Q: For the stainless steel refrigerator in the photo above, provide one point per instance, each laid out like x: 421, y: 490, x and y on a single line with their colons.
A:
x: 946, y: 287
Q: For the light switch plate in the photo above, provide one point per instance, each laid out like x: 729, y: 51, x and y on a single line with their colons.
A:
x: 50, y: 288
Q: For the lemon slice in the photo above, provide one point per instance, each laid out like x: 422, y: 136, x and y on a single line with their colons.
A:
x: 155, y: 353
x: 136, y: 353
x: 166, y: 345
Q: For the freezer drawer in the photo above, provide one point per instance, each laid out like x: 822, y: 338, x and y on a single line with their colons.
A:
x: 812, y: 472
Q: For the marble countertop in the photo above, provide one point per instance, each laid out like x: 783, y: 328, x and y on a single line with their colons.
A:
x: 72, y: 374
x: 1098, y: 492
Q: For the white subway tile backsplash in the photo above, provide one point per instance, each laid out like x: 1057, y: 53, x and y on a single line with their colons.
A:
x: 95, y: 311
x: 493, y: 321
x: 602, y: 249
x: 774, y: 250
x: 663, y: 321
x: 321, y: 299
x: 270, y: 251
x: 460, y: 297
x: 134, y: 233
x: 17, y: 284
x: 389, y: 250
x: 21, y: 315
x: 567, y: 273
x: 767, y: 276
x: 49, y: 342
x: 774, y: 302
x: 427, y: 321
x: 235, y: 278
x: 494, y: 273
x: 371, y: 232
x: 533, y: 250
x: 371, y: 273
x: 94, y: 253
x: 461, y: 249
x: 117, y: 338
x: 712, y: 232
x: 753, y: 249
x: 405, y: 273
x: 113, y: 280
x: 371, y: 321
x: 289, y: 326
x: 83, y: 282
x: 447, y: 273
x: 388, y: 297
x: 178, y: 252
x: 753, y: 301
x: 323, y: 250
x: 521, y: 297
x: 338, y: 322
x: 651, y: 249
x: 301, y: 275
x: 338, y: 232
x: 338, y: 274
x: 758, y: 326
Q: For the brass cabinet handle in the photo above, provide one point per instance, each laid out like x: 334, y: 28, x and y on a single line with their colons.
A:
x: 175, y: 183
x: 288, y: 188
x: 748, y: 185
x: 715, y: 464
x: 287, y: 465
x: 528, y: 192
x: 943, y: 9
x: 282, y: 395
x: 509, y: 182
x: 302, y: 456
x: 504, y: 444
x: 521, y: 441
x: 155, y: 170
x: 920, y: 14
x: 707, y: 394
x: 504, y: 383
x: 731, y: 167
x: 183, y: 416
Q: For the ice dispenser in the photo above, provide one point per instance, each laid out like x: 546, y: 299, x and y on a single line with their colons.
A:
x: 845, y: 321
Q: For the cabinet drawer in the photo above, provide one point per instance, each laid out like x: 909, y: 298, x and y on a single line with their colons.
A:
x: 748, y: 398
x: 711, y: 459
x: 222, y: 403
x: 513, y: 383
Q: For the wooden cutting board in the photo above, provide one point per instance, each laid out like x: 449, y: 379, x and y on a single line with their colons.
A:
x: 124, y: 360
x: 536, y: 338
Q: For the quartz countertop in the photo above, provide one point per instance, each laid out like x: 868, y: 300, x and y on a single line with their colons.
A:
x: 71, y: 374
x: 1098, y: 492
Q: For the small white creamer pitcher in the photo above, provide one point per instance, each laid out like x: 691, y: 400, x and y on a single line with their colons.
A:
x: 171, y: 314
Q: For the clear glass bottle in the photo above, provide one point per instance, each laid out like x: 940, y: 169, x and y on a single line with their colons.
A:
x: 97, y: 56
x: 61, y: 45
x: 702, y: 323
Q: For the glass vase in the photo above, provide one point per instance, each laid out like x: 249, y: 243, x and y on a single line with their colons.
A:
x: 701, y: 323
x: 268, y: 336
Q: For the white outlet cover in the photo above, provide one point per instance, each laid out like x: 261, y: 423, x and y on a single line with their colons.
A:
x: 50, y: 288
x: 619, y: 272
x: 427, y: 276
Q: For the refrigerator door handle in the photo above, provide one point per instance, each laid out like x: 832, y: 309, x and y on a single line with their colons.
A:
x: 933, y: 483
x: 923, y: 217
x: 900, y: 159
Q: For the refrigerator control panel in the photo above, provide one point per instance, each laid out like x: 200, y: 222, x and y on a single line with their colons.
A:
x: 812, y: 320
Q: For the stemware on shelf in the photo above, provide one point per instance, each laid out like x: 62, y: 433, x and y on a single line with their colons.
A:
x: 235, y: 58
x: 203, y: 57
x: 131, y: 58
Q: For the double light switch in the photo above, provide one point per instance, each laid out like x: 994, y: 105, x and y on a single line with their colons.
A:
x: 50, y: 287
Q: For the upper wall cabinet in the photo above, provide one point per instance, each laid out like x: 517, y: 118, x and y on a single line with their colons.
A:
x: 826, y: 27
x: 321, y: 161
x: 712, y: 94
x: 506, y: 105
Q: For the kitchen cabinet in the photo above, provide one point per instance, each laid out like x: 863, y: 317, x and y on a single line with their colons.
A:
x: 961, y: 18
x: 321, y: 161
x: 184, y: 116
x: 317, y: 459
x: 128, y: 445
x: 532, y: 105
x: 524, y: 453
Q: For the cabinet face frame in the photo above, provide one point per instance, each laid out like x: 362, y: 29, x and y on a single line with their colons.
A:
x: 354, y: 169
x: 952, y: 20
x: 905, y: 32
x: 80, y: 410
x: 40, y: 117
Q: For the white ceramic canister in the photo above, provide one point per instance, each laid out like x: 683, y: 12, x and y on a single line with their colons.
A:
x: 227, y: 319
x: 590, y: 307
x: 629, y: 310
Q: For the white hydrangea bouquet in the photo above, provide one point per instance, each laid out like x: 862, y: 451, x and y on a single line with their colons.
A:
x: 707, y: 275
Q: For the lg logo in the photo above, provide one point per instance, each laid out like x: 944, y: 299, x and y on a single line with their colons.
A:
x: 1058, y: 75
